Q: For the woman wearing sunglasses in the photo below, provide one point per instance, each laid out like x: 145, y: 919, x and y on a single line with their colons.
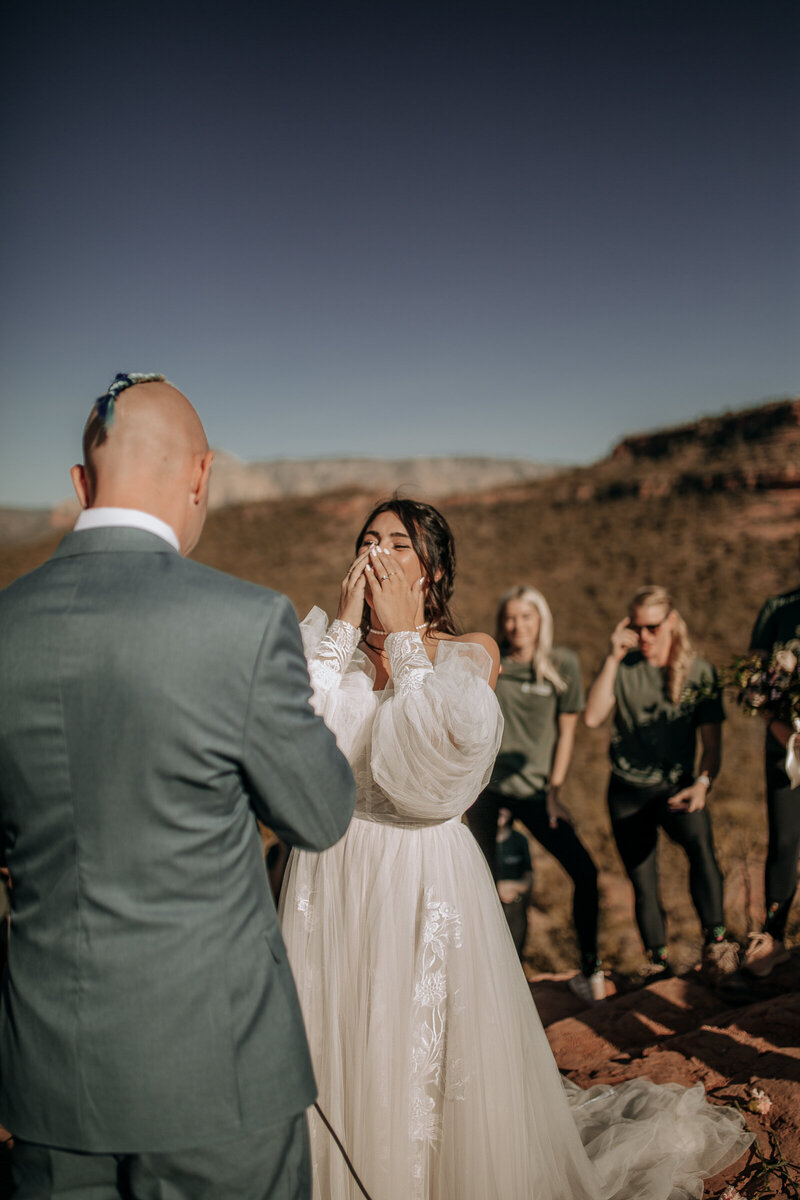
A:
x: 662, y: 695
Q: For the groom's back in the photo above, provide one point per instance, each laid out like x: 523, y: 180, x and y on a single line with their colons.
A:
x: 146, y: 959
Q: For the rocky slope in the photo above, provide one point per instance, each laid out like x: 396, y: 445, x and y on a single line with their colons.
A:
x: 755, y: 449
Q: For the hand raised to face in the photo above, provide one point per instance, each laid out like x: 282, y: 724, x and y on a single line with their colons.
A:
x: 353, y: 591
x: 623, y: 639
x: 398, y: 603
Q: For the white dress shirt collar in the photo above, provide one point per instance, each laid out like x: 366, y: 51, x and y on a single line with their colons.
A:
x: 131, y: 518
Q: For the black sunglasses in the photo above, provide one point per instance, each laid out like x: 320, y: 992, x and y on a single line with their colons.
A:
x: 651, y: 629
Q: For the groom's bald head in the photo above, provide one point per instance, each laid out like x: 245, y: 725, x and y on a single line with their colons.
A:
x: 149, y: 428
x: 144, y: 447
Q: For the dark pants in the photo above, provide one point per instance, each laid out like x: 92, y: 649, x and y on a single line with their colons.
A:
x: 272, y: 1164
x: 637, y: 814
x: 562, y: 842
x: 780, y: 876
x: 517, y: 917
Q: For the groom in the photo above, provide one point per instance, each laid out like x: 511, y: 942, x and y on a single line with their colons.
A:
x: 150, y: 708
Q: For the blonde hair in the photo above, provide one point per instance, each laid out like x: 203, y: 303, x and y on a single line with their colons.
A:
x: 543, y: 663
x: 681, y: 651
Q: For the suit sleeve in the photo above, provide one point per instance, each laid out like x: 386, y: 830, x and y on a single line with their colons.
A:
x: 300, y: 783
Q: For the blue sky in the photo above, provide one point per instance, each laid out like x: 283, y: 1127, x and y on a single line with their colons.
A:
x: 391, y: 229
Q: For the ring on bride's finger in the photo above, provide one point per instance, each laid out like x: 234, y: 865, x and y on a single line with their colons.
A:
x: 386, y: 576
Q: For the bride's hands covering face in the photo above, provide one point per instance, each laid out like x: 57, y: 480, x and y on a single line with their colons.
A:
x: 397, y: 603
x: 354, y: 586
x: 395, y: 583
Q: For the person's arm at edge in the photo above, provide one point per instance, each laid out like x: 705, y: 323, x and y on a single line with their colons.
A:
x: 600, y: 703
x: 710, y: 749
x: 565, y: 744
x: 693, y: 798
x: 490, y: 646
x: 300, y: 783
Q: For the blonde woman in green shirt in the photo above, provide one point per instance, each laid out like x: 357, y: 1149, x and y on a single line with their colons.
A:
x: 540, y: 693
x: 655, y: 686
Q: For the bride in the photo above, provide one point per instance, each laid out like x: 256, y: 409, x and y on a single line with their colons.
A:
x: 431, y: 1061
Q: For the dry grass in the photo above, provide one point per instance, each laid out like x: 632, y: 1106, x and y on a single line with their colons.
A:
x: 721, y: 554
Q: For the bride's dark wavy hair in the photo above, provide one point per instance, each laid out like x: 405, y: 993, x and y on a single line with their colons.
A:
x: 433, y: 543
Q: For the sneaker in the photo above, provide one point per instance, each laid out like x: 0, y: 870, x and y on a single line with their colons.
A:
x: 589, y: 988
x: 720, y: 959
x: 653, y: 970
x: 762, y: 954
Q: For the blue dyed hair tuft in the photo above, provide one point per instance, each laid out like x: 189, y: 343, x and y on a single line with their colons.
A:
x: 104, y: 406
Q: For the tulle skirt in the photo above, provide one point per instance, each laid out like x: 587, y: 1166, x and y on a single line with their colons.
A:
x: 431, y: 1061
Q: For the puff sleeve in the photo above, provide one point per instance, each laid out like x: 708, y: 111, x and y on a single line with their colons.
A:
x: 435, y: 740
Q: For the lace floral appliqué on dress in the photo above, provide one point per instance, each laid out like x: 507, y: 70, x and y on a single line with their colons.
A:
x: 305, y: 904
x: 432, y: 1079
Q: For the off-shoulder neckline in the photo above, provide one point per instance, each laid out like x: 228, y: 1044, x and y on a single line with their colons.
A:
x: 454, y: 641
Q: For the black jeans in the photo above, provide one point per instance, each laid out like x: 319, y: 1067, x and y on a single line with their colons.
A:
x: 517, y: 917
x: 562, y: 842
x: 780, y: 875
x: 637, y: 814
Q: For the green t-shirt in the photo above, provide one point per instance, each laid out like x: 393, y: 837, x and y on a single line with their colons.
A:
x: 530, y: 711
x: 655, y: 741
x: 778, y: 622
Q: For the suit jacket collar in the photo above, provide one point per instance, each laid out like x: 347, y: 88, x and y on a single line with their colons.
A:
x: 112, y: 539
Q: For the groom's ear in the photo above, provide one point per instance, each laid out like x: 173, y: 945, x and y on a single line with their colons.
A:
x: 201, y: 476
x: 81, y: 485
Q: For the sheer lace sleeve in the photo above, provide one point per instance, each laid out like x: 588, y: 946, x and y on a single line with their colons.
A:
x: 341, y: 676
x: 328, y: 656
x: 435, y: 740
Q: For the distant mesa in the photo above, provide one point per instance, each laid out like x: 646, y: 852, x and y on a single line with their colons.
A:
x: 236, y: 482
x: 20, y: 525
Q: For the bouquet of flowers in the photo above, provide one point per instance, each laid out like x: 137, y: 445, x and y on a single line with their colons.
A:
x: 769, y: 683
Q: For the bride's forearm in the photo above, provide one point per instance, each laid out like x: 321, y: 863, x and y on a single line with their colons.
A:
x: 408, y: 661
x: 333, y: 654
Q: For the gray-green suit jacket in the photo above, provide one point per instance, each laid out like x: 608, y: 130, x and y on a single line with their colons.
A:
x: 149, y: 707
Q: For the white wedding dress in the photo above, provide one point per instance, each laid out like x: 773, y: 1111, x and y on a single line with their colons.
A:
x: 431, y: 1061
